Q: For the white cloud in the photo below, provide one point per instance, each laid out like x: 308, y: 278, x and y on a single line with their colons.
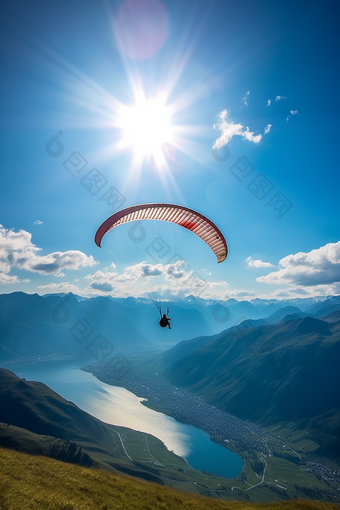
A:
x: 18, y: 251
x: 7, y: 279
x: 145, y: 279
x: 291, y: 113
x: 278, y: 98
x: 240, y: 293
x: 304, y: 292
x: 38, y: 222
x: 258, y: 263
x: 267, y: 128
x: 229, y: 129
x: 60, y: 287
x: 319, y: 267
x: 138, y: 279
x: 53, y: 263
x: 269, y: 102
x: 245, y: 99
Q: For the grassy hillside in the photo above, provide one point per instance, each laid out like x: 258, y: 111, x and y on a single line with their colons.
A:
x: 39, y: 483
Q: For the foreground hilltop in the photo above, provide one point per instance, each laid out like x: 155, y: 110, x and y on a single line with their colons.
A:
x: 28, y: 482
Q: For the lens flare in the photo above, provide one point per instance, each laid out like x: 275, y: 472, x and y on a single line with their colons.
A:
x: 140, y: 28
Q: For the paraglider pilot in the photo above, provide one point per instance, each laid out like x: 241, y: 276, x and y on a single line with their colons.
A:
x: 165, y: 320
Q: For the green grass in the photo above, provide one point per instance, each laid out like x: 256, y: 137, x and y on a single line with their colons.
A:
x: 39, y: 483
x: 295, y: 436
x: 287, y: 474
x: 308, y: 445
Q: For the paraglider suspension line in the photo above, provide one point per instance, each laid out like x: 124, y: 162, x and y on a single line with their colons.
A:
x: 159, y: 308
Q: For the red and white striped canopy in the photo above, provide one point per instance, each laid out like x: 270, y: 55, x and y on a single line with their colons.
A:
x: 187, y: 218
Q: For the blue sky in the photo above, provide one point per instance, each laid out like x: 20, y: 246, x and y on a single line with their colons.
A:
x: 79, y: 66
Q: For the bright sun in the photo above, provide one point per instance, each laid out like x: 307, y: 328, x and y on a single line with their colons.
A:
x: 146, y: 128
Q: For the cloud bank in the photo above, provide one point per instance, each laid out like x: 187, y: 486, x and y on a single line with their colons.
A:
x: 18, y: 251
x: 144, y: 280
x: 317, y: 267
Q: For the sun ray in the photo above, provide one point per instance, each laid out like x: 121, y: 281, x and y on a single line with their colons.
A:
x: 145, y: 129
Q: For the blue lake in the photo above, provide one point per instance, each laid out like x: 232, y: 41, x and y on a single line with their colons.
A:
x: 118, y: 406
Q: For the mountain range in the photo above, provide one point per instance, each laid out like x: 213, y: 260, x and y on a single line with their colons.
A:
x: 269, y: 373
x: 66, y: 324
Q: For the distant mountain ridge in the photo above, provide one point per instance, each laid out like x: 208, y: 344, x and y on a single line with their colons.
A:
x: 36, y: 326
x: 325, y: 307
x: 283, y: 312
x: 39, y: 326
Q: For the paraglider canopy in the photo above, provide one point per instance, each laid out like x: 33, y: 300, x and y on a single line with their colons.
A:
x: 182, y: 216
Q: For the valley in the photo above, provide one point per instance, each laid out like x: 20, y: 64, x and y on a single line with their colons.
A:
x: 235, y: 385
x: 276, y: 465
